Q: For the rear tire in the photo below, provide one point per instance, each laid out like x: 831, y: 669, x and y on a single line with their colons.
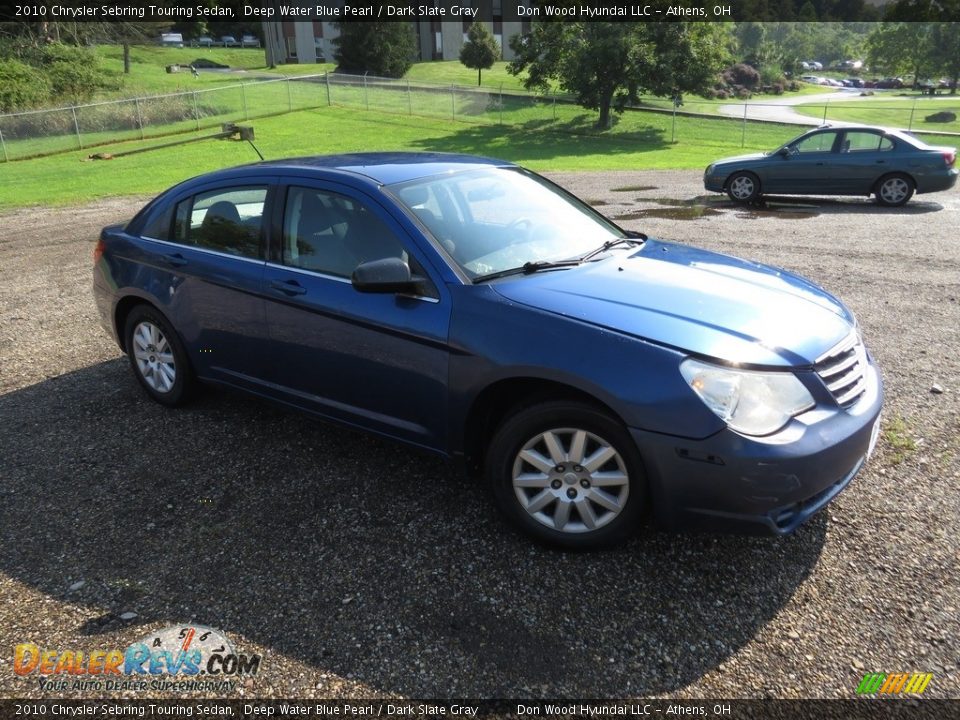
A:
x: 567, y: 474
x: 895, y: 190
x: 157, y: 357
x: 743, y: 187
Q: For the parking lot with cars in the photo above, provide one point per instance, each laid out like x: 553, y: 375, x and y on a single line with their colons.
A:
x: 357, y: 567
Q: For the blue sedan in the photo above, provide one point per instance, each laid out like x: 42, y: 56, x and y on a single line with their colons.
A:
x: 474, y: 309
x: 855, y: 160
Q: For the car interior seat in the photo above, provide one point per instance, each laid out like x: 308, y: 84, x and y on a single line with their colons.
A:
x: 222, y: 229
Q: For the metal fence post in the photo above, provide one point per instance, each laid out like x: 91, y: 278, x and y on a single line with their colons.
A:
x: 453, y: 103
x: 366, y: 97
x: 4, y: 146
x: 501, y: 103
x: 196, y: 110
x: 409, y: 99
x: 326, y: 77
x: 554, y: 106
x: 912, y: 109
x: 243, y: 98
x: 290, y: 97
x: 673, y: 128
x: 826, y: 106
x: 76, y: 126
x: 743, y: 131
x: 139, y: 117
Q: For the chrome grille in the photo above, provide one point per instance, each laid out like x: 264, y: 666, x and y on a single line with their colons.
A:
x: 843, y: 370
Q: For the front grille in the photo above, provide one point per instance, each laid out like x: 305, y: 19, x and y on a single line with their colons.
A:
x: 844, y: 370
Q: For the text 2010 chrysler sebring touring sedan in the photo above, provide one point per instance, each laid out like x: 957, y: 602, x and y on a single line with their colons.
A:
x: 470, y: 307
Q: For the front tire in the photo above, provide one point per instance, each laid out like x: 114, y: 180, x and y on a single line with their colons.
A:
x: 568, y: 475
x: 743, y: 187
x: 157, y: 357
x: 895, y: 190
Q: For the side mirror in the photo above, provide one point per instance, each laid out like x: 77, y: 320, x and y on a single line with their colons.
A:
x: 387, y: 275
x: 784, y: 152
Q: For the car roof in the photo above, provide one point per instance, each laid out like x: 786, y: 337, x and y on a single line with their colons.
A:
x: 383, y: 168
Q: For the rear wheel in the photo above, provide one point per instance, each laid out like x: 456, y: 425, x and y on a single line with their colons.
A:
x: 895, y: 190
x: 568, y: 474
x: 157, y: 357
x: 743, y: 187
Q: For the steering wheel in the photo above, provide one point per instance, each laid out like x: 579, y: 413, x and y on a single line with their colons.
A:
x: 520, y: 228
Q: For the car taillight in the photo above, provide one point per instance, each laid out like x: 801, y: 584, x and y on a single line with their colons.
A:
x: 98, y: 251
x: 950, y: 158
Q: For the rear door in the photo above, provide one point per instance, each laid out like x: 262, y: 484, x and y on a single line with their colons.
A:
x: 214, y: 253
x: 375, y: 360
x: 864, y: 156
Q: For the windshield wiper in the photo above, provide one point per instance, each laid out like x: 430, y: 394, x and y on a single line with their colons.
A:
x: 632, y: 239
x: 528, y: 268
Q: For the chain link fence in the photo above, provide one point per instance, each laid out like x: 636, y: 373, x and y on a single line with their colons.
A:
x: 45, y: 132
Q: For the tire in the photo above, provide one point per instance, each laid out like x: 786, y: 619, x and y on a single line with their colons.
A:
x: 895, y: 190
x: 157, y: 357
x: 554, y: 498
x: 743, y: 187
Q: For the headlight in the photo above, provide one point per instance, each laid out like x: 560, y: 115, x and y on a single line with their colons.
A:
x: 754, y: 403
x: 709, y: 170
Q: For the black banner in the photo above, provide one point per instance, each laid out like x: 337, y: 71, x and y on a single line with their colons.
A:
x: 854, y: 709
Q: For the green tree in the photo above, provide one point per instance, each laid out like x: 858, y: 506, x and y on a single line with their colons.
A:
x: 901, y: 47
x: 380, y: 48
x: 480, y: 51
x: 606, y: 65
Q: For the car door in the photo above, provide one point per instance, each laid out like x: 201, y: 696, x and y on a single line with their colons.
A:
x: 212, y: 247
x: 864, y: 156
x: 377, y: 360
x: 806, y: 167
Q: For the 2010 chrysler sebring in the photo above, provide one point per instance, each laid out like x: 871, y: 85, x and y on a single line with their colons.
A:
x: 470, y: 307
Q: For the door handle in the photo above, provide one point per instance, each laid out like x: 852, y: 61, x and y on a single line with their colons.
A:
x: 177, y: 260
x: 290, y: 287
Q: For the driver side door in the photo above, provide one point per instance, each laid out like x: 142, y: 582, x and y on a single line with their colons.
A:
x: 375, y: 360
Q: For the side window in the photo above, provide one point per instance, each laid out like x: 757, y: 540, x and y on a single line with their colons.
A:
x: 821, y: 142
x: 228, y: 220
x: 332, y: 234
x: 856, y: 141
x: 158, y: 227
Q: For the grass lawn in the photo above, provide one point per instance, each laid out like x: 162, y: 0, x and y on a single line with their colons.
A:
x: 148, y: 75
x: 896, y: 111
x: 452, y: 72
x: 639, y: 141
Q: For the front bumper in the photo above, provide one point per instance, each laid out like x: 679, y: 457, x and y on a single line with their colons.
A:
x: 767, y: 485
x: 715, y: 182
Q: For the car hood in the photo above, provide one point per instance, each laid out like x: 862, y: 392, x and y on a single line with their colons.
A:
x: 695, y: 300
x: 739, y: 159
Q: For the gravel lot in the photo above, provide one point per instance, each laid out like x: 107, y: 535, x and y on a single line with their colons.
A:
x: 360, y: 568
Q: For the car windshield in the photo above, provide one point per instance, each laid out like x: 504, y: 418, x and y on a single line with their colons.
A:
x: 495, y: 219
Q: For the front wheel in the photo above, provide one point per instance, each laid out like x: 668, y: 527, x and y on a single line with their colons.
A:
x: 895, y: 190
x: 743, y: 187
x: 567, y: 474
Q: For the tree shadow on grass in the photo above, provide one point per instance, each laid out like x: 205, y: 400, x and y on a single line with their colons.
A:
x: 544, y: 139
x: 353, y: 555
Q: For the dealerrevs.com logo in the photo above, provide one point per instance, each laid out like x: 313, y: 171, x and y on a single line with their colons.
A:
x: 176, y: 658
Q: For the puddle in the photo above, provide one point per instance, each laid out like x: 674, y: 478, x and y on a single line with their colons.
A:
x: 634, y: 188
x: 754, y: 214
x: 690, y: 212
x: 710, y: 205
x: 597, y: 203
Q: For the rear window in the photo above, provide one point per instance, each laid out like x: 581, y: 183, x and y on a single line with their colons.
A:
x: 226, y: 220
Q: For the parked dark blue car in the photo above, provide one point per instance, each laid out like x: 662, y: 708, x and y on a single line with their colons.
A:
x: 473, y: 308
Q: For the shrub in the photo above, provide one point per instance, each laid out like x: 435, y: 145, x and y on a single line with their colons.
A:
x: 21, y: 86
x: 741, y: 74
